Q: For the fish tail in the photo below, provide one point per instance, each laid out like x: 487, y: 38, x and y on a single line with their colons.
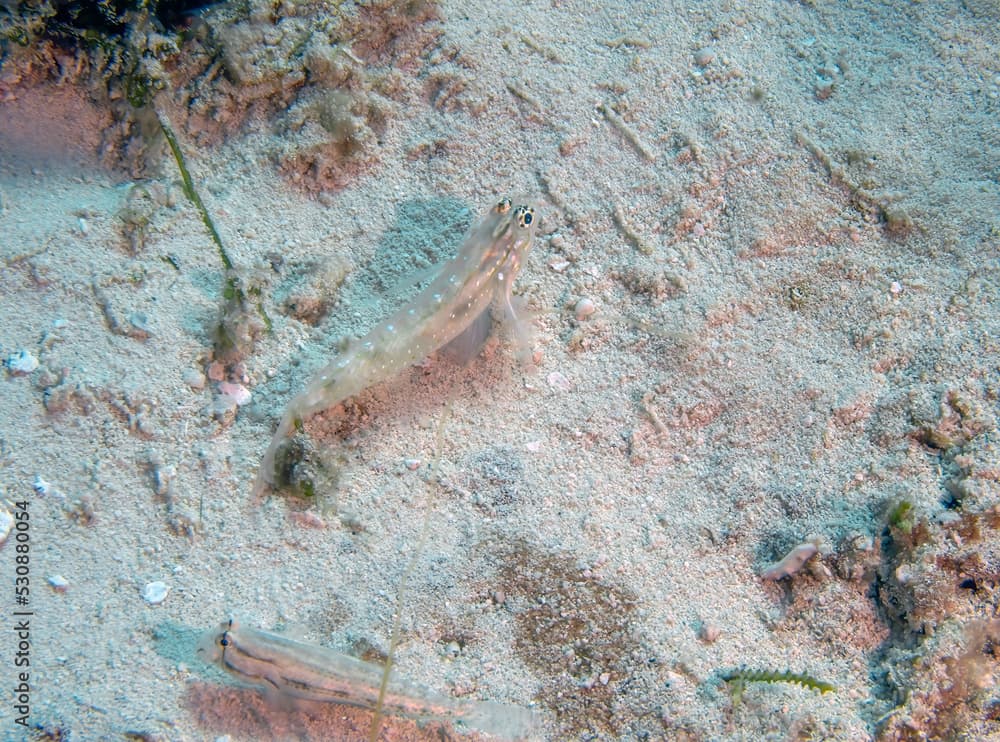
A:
x: 512, y: 723
x: 266, y: 474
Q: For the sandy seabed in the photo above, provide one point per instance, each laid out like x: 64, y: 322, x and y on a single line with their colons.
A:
x: 787, y: 218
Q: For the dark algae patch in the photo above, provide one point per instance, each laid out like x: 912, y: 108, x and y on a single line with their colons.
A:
x: 574, y: 630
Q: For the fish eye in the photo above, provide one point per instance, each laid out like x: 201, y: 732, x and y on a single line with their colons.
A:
x: 504, y: 206
x: 223, y: 641
x: 525, y: 216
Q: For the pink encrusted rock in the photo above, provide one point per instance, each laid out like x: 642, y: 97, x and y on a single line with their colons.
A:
x: 237, y: 392
x: 791, y: 563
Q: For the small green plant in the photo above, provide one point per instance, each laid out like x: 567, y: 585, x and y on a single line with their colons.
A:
x: 192, y: 194
x: 737, y: 680
x: 901, y: 516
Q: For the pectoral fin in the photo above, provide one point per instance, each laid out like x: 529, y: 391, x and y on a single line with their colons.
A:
x: 466, y: 346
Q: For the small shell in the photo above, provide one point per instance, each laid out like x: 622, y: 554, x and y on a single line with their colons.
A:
x: 155, y: 592
x: 21, y: 363
x: 584, y: 308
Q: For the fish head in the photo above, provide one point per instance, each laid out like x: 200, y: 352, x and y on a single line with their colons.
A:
x: 514, y: 236
x: 213, y: 643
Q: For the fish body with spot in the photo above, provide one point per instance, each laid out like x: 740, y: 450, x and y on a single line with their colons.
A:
x: 482, y: 272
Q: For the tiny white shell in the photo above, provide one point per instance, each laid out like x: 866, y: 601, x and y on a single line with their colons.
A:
x: 155, y: 592
x: 21, y: 363
x: 584, y: 308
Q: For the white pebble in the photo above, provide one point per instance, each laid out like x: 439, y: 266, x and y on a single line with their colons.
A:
x: 21, y: 363
x: 584, y: 308
x: 58, y: 583
x: 155, y: 592
x: 6, y: 523
x: 412, y: 464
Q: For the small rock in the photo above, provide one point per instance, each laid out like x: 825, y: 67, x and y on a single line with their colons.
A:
x: 21, y: 363
x: 194, y: 379
x: 823, y: 88
x: 139, y: 325
x: 239, y: 393
x: 709, y: 633
x: 58, y: 583
x: 163, y: 477
x: 155, y: 592
x: 217, y: 371
x: 791, y: 563
x: 704, y: 56
x: 412, y: 464
x: 40, y: 485
x: 223, y: 409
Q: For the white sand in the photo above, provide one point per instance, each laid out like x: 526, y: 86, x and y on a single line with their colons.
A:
x: 784, y: 340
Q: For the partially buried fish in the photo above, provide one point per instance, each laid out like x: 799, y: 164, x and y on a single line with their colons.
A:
x: 284, y: 667
x: 482, y: 272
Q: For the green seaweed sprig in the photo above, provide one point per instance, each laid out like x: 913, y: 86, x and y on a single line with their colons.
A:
x: 234, y: 331
x: 737, y: 680
x: 192, y: 193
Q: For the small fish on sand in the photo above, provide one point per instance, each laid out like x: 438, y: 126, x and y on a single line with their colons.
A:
x: 286, y: 668
x: 482, y: 273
